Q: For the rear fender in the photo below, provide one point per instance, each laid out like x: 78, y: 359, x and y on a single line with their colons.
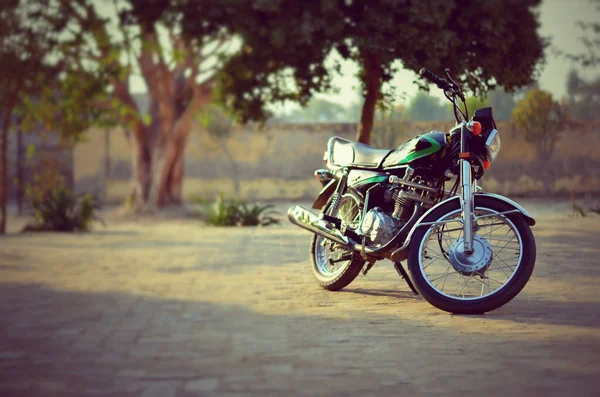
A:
x: 325, y: 194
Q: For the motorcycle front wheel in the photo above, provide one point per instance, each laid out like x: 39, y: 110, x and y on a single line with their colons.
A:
x: 499, y: 268
x: 330, y: 272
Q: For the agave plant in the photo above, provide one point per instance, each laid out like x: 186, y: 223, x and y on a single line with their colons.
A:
x: 236, y: 213
x: 220, y: 213
x: 257, y: 215
x: 61, y: 210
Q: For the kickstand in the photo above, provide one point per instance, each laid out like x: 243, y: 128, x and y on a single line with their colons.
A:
x: 402, y: 273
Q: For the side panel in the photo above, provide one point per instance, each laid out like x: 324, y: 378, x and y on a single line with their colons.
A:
x: 361, y: 178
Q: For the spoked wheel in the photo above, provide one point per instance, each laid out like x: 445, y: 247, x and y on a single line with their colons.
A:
x: 334, y: 266
x: 500, y: 266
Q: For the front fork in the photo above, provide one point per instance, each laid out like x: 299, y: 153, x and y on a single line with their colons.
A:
x: 467, y: 189
x: 467, y: 204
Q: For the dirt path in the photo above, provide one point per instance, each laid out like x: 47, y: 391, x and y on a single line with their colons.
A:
x: 174, y: 309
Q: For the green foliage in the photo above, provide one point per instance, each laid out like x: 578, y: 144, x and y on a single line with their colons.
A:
x: 287, y: 61
x: 320, y: 110
x: 63, y: 211
x: 473, y: 103
x: 590, y: 40
x: 502, y: 104
x: 236, y: 213
x: 256, y: 215
x: 540, y: 120
x: 583, y: 97
x: 389, y: 125
x: 216, y: 121
x: 424, y: 107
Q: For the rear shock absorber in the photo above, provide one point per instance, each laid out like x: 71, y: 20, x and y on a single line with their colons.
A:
x: 337, y: 195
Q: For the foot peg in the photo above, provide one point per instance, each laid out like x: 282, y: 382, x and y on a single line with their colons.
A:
x: 402, y: 273
x: 336, y: 222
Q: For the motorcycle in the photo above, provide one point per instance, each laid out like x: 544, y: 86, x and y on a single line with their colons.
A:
x: 467, y: 251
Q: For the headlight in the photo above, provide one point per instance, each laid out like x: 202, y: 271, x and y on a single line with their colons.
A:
x: 492, y: 144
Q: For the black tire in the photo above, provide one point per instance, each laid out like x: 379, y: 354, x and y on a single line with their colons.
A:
x: 351, y: 269
x: 485, y: 304
x: 346, y: 274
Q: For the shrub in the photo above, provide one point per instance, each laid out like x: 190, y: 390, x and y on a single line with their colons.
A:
x: 256, y: 215
x: 236, y: 213
x: 61, y: 210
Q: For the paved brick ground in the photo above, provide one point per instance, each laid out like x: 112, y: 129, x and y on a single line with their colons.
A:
x: 174, y: 309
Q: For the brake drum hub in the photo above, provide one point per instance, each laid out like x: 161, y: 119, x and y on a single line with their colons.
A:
x: 478, y: 261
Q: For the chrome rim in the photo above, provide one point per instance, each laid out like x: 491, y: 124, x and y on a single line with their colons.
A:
x: 349, y: 212
x: 488, y: 274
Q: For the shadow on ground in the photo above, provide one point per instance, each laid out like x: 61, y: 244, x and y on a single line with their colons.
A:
x: 78, y: 343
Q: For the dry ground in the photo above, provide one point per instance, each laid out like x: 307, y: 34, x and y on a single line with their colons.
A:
x: 170, y: 308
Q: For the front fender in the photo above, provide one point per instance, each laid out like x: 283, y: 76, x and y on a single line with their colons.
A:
x: 402, y: 253
x: 528, y: 218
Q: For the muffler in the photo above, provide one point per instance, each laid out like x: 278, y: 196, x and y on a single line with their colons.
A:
x: 302, y: 217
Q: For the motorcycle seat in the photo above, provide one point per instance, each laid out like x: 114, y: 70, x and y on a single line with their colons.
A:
x: 346, y: 153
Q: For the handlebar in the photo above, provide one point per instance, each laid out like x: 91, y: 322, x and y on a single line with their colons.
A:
x: 451, y: 91
x: 437, y: 80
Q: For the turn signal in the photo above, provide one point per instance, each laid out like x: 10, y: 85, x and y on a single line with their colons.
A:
x: 486, y: 164
x: 475, y: 127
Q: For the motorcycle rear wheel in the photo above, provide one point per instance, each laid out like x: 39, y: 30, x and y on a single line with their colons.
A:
x: 334, y: 277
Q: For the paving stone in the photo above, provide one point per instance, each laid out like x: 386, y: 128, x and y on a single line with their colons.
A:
x: 11, y: 355
x: 131, y: 372
x: 207, y: 384
x: 160, y: 390
x: 283, y: 369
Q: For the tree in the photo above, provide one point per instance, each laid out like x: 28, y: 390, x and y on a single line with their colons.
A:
x: 540, y: 120
x: 473, y: 103
x: 502, y: 103
x: 424, y: 107
x: 283, y: 61
x: 24, y: 49
x: 583, y: 97
x: 390, y: 124
x: 591, y: 40
x: 144, y: 39
x: 218, y: 124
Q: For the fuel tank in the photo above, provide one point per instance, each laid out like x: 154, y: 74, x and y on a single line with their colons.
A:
x: 419, y: 151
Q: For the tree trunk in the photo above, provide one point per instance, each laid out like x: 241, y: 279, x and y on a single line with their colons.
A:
x: 175, y: 183
x: 142, y: 174
x: 373, y: 74
x: 8, y: 112
x: 4, y: 176
x: 171, y: 173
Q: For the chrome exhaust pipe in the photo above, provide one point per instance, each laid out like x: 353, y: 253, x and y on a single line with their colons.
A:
x: 302, y: 217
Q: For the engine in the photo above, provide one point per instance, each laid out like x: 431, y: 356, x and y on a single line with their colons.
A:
x: 403, y: 193
x: 378, y: 227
